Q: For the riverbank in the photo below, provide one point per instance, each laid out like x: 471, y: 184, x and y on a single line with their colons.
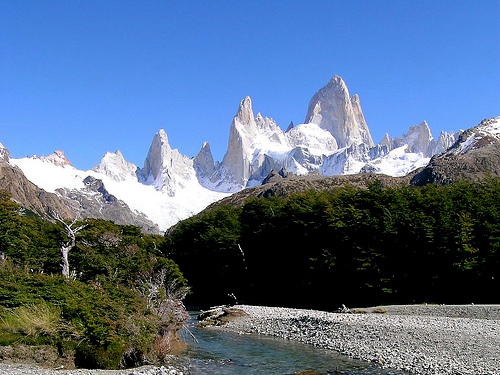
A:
x: 420, y: 339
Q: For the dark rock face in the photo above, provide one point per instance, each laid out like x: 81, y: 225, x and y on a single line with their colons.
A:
x: 97, y: 186
x: 275, y: 177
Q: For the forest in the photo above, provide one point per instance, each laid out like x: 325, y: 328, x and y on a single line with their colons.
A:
x: 119, y: 307
x: 354, y: 246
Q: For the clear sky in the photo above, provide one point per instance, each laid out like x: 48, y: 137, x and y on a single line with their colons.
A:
x: 89, y: 76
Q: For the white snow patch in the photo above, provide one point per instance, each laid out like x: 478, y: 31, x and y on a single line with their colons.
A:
x: 494, y: 127
x: 398, y: 162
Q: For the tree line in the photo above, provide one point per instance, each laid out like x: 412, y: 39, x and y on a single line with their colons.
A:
x: 353, y: 246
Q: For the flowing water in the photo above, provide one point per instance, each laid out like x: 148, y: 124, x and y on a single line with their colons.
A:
x: 227, y: 353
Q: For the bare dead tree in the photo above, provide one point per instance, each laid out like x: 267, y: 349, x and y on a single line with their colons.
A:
x: 66, y: 246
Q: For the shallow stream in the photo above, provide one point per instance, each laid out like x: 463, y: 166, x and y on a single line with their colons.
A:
x: 227, y: 353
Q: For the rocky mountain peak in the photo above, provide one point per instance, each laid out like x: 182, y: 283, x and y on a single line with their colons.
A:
x: 235, y: 167
x: 158, y: 152
x: 420, y: 139
x: 4, y: 154
x: 204, y: 165
x: 484, y: 134
x: 386, y: 141
x: 164, y: 167
x: 335, y: 111
x: 57, y: 158
x: 114, y: 165
x: 445, y: 141
x: 245, y: 112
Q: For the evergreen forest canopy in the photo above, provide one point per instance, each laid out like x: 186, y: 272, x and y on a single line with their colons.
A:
x: 353, y: 246
x: 120, y: 308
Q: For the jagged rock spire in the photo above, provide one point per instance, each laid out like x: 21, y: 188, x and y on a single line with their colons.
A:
x: 164, y: 167
x: 335, y: 111
x: 242, y: 134
x: 57, y: 158
x: 203, y: 162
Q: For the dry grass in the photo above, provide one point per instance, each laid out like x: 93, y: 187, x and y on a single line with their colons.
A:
x: 34, y: 320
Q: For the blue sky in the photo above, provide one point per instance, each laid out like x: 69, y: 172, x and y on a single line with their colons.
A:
x: 91, y: 76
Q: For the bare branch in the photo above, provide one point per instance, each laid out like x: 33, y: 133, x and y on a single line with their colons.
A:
x: 68, y: 245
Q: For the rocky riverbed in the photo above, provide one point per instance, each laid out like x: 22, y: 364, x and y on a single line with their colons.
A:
x: 419, y: 339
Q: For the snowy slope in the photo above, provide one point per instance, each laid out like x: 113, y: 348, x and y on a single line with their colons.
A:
x: 159, y: 207
x: 398, y: 162
x: 487, y: 132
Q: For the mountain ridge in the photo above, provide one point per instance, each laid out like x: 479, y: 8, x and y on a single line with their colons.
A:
x: 170, y: 186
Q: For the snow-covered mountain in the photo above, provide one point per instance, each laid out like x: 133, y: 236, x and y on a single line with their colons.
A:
x: 474, y: 155
x: 333, y: 140
x: 130, y: 188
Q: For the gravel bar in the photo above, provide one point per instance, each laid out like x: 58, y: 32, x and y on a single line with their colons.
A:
x: 419, y: 339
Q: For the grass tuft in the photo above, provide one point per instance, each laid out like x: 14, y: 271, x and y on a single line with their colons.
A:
x: 34, y: 320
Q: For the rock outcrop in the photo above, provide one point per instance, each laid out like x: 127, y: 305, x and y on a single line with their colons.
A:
x: 57, y: 158
x: 95, y: 201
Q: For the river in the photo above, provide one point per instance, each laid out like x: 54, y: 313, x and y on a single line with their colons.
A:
x: 226, y: 353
